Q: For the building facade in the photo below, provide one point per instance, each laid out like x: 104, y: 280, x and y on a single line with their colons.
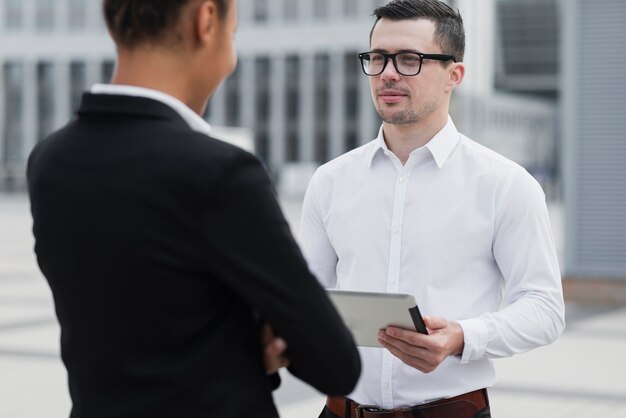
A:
x: 594, y: 149
x: 50, y: 51
x: 298, y: 86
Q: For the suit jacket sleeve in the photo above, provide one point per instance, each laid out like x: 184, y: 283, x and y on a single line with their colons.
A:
x: 259, y: 259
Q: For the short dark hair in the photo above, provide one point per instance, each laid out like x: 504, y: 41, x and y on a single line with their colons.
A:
x: 449, y: 32
x: 132, y: 22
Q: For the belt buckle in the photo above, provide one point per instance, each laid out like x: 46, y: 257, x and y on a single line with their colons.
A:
x: 370, y: 408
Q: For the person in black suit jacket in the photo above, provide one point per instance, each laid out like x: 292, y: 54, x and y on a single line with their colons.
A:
x: 170, y: 262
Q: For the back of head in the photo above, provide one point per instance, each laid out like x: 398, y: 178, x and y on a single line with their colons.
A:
x: 133, y: 22
x: 449, y: 32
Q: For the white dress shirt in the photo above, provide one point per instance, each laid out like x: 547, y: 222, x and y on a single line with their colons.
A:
x: 461, y: 228
x: 194, y: 121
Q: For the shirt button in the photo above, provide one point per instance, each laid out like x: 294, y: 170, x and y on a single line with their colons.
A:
x: 396, y: 230
x: 402, y: 179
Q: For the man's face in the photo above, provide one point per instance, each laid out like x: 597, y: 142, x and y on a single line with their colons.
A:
x: 403, y: 100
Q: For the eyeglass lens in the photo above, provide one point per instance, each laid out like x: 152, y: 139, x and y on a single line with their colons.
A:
x: 405, y: 63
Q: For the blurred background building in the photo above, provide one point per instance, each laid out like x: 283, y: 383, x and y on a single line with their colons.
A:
x: 593, y: 105
x: 543, y: 87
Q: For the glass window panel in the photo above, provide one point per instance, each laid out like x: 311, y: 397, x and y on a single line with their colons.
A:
x: 107, y: 71
x: 351, y: 68
x: 262, y: 106
x: 349, y: 8
x: 13, y: 14
x: 44, y: 15
x: 321, y: 107
x: 293, y: 86
x: 45, y: 99
x: 260, y: 10
x: 232, y: 99
x: 292, y: 107
x: 351, y: 111
x: 78, y: 82
x: 77, y: 14
x: 291, y: 9
x: 320, y: 9
x: 378, y: 3
x: 14, y: 101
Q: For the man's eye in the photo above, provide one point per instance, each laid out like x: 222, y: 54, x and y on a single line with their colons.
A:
x: 409, y: 59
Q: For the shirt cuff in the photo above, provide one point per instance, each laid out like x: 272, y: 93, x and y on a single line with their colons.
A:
x: 476, y: 337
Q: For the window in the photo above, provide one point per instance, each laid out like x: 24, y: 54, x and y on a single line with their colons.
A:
x: 106, y: 71
x: 77, y: 14
x: 527, y: 52
x: 378, y: 3
x: 262, y: 105
x: 349, y: 8
x: 232, y: 99
x: 293, y: 86
x: 320, y: 9
x: 45, y: 99
x: 44, y: 15
x: 13, y: 81
x: 352, y: 71
x: 321, y: 107
x: 13, y: 14
x: 351, y: 111
x: 78, y: 82
x: 260, y: 10
x: 290, y: 9
x: 292, y: 110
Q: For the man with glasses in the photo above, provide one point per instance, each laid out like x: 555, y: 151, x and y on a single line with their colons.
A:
x: 422, y: 209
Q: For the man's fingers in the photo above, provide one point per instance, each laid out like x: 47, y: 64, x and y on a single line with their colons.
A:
x: 276, y: 347
x: 435, y: 322
x: 415, y: 362
x: 411, y: 337
x: 424, y: 354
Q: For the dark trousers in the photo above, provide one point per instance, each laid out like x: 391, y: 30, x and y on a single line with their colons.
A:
x: 485, y: 413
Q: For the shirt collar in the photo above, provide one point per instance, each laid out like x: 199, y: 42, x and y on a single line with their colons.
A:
x: 379, y: 146
x: 194, y: 121
x: 440, y: 146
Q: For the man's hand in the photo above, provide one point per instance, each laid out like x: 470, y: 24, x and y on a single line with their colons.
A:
x: 273, y: 350
x: 424, y: 352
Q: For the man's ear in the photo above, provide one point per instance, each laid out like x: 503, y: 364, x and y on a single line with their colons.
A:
x: 206, y: 20
x: 457, y: 73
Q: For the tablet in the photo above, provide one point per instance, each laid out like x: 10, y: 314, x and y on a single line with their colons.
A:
x: 365, y: 313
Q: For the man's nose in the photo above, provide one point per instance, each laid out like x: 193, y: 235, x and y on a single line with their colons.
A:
x: 390, y: 72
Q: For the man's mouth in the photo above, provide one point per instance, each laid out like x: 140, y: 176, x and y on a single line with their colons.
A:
x: 391, y: 96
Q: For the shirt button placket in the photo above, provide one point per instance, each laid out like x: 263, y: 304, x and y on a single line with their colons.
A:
x: 396, y: 234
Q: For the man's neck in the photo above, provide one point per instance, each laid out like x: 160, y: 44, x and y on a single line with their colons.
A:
x: 402, y: 140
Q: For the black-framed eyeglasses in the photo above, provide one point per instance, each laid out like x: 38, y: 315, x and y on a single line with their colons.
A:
x: 405, y: 63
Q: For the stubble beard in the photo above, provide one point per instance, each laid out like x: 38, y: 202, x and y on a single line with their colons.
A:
x: 408, y: 115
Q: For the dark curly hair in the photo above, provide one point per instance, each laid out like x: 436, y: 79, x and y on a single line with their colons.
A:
x: 135, y: 21
x: 449, y: 33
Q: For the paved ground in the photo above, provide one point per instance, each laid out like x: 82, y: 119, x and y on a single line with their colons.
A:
x: 581, y: 375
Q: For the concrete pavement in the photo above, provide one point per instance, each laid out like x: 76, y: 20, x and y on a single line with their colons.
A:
x: 581, y: 375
